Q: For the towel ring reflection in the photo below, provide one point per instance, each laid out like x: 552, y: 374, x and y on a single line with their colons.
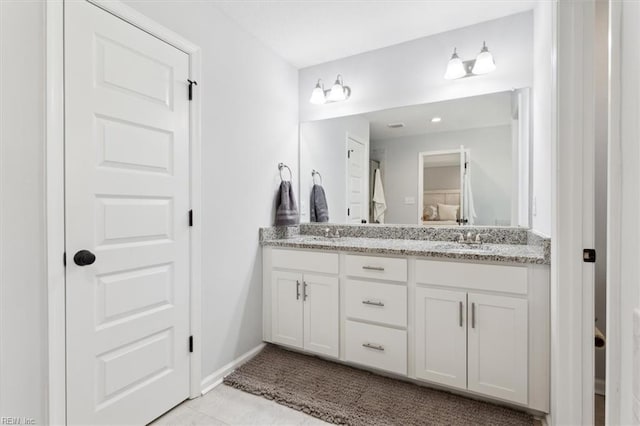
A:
x: 313, y: 176
x: 282, y: 166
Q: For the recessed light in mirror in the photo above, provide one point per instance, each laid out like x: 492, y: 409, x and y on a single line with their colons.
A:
x: 436, y: 119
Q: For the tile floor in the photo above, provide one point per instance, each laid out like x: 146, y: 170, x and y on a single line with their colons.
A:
x: 225, y: 405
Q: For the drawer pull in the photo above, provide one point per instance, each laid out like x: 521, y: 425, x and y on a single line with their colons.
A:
x: 369, y: 302
x: 297, y: 290
x: 304, y: 291
x: 372, y: 346
x: 473, y: 315
x: 461, y: 314
x: 373, y: 268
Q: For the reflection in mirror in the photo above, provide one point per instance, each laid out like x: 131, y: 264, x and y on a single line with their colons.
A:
x: 462, y: 161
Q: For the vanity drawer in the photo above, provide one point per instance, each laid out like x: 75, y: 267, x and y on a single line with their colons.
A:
x: 377, y: 302
x: 510, y: 279
x: 382, y: 268
x: 379, y: 347
x: 309, y: 261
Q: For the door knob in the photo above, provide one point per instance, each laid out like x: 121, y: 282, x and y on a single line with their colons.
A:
x: 84, y: 258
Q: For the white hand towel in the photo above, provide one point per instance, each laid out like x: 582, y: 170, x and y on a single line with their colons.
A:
x: 379, y: 203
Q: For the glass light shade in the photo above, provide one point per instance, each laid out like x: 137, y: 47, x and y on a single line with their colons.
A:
x: 455, y: 68
x: 484, y: 62
x: 337, y: 92
x: 317, y: 96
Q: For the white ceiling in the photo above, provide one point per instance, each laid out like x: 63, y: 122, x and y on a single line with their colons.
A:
x: 458, y: 114
x: 310, y: 32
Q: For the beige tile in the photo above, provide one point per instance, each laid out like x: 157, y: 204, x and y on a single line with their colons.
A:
x: 185, y: 416
x: 236, y: 407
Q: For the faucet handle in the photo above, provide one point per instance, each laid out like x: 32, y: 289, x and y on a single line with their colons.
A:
x: 327, y: 232
x: 460, y: 238
x: 337, y: 234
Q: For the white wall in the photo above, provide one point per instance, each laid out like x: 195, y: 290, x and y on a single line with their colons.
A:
x: 249, y: 125
x: 23, y: 308
x: 624, y: 209
x: 542, y: 99
x: 412, y: 73
x: 323, y: 147
x: 447, y: 177
x: 490, y: 151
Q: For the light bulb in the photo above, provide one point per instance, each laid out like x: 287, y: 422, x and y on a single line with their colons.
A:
x: 484, y: 62
x: 317, y: 96
x: 337, y: 92
x: 455, y: 67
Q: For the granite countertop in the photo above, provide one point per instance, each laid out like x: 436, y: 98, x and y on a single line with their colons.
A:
x: 509, y: 253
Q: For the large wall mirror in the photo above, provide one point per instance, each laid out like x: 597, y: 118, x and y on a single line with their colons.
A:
x: 455, y: 162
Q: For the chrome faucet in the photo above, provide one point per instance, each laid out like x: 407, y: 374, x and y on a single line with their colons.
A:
x: 469, y: 239
x: 327, y: 233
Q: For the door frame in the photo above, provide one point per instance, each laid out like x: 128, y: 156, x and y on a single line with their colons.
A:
x: 55, y: 211
x: 572, y: 220
x: 421, y: 155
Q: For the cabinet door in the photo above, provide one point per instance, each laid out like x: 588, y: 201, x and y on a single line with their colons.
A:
x: 321, y: 315
x: 286, y: 308
x: 441, y: 336
x: 498, y: 329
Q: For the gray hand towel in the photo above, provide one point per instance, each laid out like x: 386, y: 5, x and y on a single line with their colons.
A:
x: 319, y: 208
x: 286, y: 208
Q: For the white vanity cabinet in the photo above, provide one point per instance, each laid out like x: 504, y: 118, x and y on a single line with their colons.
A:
x: 304, y: 305
x: 475, y: 327
x: 472, y: 327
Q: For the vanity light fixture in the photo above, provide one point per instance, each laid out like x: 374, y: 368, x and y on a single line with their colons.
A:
x: 483, y: 64
x: 338, y: 92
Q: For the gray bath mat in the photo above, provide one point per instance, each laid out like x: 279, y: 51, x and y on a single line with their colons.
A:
x: 341, y: 394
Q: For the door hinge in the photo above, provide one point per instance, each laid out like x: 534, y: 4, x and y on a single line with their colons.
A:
x: 190, y: 344
x: 190, y: 217
x: 191, y: 84
x: 589, y: 255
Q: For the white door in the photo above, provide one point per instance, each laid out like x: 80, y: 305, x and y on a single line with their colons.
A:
x: 286, y: 308
x: 321, y: 316
x: 357, y: 197
x: 127, y: 186
x: 497, y: 345
x: 441, y: 336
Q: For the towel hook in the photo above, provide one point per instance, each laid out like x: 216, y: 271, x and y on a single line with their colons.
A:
x: 283, y: 166
x: 313, y: 176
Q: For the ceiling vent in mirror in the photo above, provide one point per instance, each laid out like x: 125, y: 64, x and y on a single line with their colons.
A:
x: 395, y: 125
x: 483, y: 64
x: 338, y: 92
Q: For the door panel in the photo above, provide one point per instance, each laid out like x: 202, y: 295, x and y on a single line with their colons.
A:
x: 498, y: 346
x: 127, y: 198
x: 286, y: 311
x: 321, y: 316
x: 357, y: 199
x: 441, y: 336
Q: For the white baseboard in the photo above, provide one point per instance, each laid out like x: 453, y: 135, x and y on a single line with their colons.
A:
x: 214, y: 379
x: 599, y: 386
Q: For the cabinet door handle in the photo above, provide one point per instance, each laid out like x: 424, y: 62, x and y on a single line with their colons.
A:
x: 473, y: 315
x: 373, y: 268
x: 369, y: 302
x: 304, y: 290
x: 461, y: 314
x: 297, y: 290
x: 372, y: 346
